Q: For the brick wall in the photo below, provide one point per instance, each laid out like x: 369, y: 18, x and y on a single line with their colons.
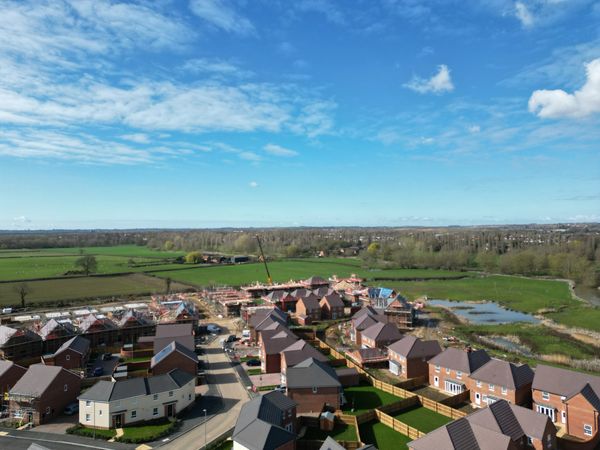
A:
x: 443, y: 376
x: 175, y: 361
x: 309, y: 401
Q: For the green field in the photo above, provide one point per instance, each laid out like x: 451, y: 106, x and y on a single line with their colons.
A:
x: 383, y: 436
x: 523, y: 294
x: 422, y: 419
x: 294, y: 269
x: 364, y: 398
x: 540, y: 339
x: 118, y: 250
x: 85, y: 288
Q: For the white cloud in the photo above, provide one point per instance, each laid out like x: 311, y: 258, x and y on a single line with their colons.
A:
x: 249, y: 156
x: 474, y: 129
x: 523, y: 14
x: 215, y: 66
x: 438, y: 83
x: 140, y: 138
x: 277, y: 150
x: 558, y: 103
x: 325, y: 7
x: 253, y: 184
x: 220, y: 14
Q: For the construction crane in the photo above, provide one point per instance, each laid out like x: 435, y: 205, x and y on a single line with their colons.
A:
x: 262, y: 255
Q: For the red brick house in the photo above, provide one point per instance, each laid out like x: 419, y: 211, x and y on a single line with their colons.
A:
x: 380, y: 335
x: 10, y: 373
x: 362, y: 320
x: 502, y: 426
x: 450, y: 371
x: 99, y: 331
x: 271, y: 344
x: 55, y: 333
x: 296, y: 353
x: 501, y: 380
x: 174, y: 356
x: 267, y: 422
x: 265, y: 318
x: 42, y: 393
x: 313, y: 385
x: 408, y: 357
x: 332, y: 306
x: 308, y: 308
x: 73, y: 354
x: 571, y: 400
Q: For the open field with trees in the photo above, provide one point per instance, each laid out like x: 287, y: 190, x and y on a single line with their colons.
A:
x: 85, y: 288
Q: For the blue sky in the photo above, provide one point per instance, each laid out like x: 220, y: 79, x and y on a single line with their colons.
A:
x: 207, y: 113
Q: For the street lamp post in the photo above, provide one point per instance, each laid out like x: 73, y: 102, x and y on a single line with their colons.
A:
x: 205, y: 424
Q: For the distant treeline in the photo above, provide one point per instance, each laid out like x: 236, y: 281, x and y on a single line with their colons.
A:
x: 567, y: 251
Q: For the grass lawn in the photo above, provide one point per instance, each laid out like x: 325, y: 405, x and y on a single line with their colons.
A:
x: 255, y: 371
x: 137, y: 359
x: 578, y: 317
x: 422, y: 419
x: 223, y: 445
x: 540, y: 339
x: 292, y: 269
x: 383, y: 437
x: 365, y: 397
x: 145, y: 433
x: 341, y: 432
x: 85, y: 288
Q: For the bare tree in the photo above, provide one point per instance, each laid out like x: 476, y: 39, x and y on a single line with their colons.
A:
x: 23, y: 290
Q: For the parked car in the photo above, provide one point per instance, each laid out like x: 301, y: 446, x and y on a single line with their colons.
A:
x: 106, y: 356
x: 97, y: 371
x: 232, y: 338
x: 212, y: 328
x: 71, y: 408
x: 253, y: 362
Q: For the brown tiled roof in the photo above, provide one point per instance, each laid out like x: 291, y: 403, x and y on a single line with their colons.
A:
x: 333, y: 300
x: 367, y: 320
x: 413, y: 347
x: 461, y: 360
x: 173, y: 330
x: 562, y: 381
x: 382, y: 332
x: 311, y: 302
x: 37, y: 379
x: 276, y: 341
x: 300, y: 351
x: 503, y: 373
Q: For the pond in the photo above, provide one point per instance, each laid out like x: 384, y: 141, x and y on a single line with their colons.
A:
x: 484, y: 313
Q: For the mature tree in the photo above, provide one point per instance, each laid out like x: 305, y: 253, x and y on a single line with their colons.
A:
x: 193, y: 258
x: 23, y: 290
x: 168, y: 284
x: 87, y: 263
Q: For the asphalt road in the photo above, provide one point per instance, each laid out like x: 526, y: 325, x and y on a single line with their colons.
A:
x: 231, y: 394
x: 22, y: 439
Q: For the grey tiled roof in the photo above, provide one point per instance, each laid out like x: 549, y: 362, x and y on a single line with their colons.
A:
x: 107, y: 391
x: 503, y: 373
x: 413, y: 347
x: 78, y: 344
x: 562, y: 381
x: 173, y: 330
x: 331, y: 444
x: 258, y: 426
x: 275, y: 342
x: 311, y: 302
x: 461, y: 360
x: 37, y: 379
x: 311, y: 373
x: 300, y: 351
x: 6, y: 333
x: 6, y: 365
x: 333, y: 300
x: 173, y: 347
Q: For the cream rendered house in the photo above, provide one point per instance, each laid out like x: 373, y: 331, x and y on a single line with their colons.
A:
x: 115, y: 404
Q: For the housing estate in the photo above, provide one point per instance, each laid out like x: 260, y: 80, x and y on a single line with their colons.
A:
x: 114, y: 404
x: 571, y: 400
x: 271, y: 344
x: 308, y: 309
x: 450, y: 370
x: 332, y: 306
x: 501, y: 380
x: 42, y: 393
x: 501, y: 426
x: 408, y: 357
x: 267, y: 422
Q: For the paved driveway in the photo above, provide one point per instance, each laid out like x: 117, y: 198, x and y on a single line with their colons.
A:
x: 58, y: 425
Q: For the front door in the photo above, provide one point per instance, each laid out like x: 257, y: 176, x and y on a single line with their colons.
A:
x: 477, y: 398
x: 436, y: 381
x: 170, y: 410
x: 117, y: 421
x: 563, y: 416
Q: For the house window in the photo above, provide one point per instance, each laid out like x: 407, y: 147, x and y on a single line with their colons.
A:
x: 458, y: 374
x: 546, y: 395
x: 170, y: 393
x: 47, y: 410
x: 99, y: 412
x: 587, y: 430
x: 88, y: 403
x: 133, y: 414
x: 447, y: 370
x: 289, y: 413
x: 88, y: 418
x: 492, y: 387
x: 155, y: 396
x: 315, y: 389
x: 437, y: 368
x: 478, y: 384
x: 68, y: 357
x: 529, y: 440
x: 189, y: 396
x: 155, y: 411
x: 504, y: 391
x: 66, y: 388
